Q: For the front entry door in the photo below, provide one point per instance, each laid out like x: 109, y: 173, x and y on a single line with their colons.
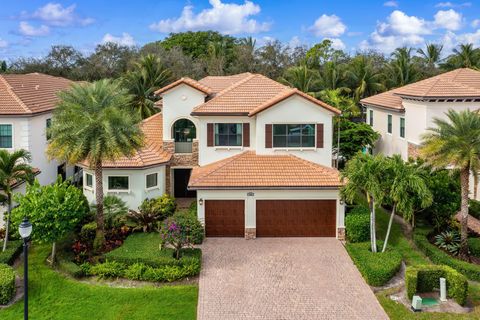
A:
x: 180, y: 183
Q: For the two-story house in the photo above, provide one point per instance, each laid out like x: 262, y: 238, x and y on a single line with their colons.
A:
x: 404, y: 114
x: 256, y: 155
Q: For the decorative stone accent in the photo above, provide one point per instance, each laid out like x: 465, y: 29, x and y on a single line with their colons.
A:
x: 168, y: 184
x: 413, y: 150
x: 182, y: 159
x: 341, y: 233
x: 250, y: 233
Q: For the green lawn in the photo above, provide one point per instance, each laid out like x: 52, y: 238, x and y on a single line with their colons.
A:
x: 53, y: 296
x: 412, y: 256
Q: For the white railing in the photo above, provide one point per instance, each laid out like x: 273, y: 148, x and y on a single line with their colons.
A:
x: 183, y: 147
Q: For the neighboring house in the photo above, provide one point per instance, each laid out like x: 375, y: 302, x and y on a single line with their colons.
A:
x: 403, y: 114
x: 256, y: 155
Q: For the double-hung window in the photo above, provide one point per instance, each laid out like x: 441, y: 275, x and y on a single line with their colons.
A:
x: 389, y: 123
x: 294, y: 135
x: 88, y: 180
x: 228, y: 134
x: 402, y: 127
x: 118, y: 183
x: 6, y: 136
x: 371, y: 117
x: 151, y: 180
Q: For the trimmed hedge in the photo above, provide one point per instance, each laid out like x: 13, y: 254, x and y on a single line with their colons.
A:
x: 14, y: 248
x: 357, y: 224
x: 145, y: 248
x: 7, y: 283
x: 425, y: 278
x: 437, y: 256
x: 70, y: 268
x: 474, y: 246
x: 377, y: 268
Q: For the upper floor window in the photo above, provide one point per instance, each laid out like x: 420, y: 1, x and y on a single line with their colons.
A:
x: 228, y: 134
x: 402, y: 127
x: 88, y: 180
x: 389, y: 124
x: 371, y: 117
x: 294, y: 135
x: 48, y: 124
x: 151, y: 180
x: 118, y: 183
x: 6, y: 137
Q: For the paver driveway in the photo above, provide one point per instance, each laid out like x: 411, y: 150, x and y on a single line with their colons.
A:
x: 282, y: 278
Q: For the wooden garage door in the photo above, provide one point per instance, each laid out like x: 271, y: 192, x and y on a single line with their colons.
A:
x: 296, y: 218
x: 224, y: 218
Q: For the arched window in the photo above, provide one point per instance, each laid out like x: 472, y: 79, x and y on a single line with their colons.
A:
x: 184, y: 131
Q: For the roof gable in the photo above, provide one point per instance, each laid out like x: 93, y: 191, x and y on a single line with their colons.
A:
x: 187, y: 81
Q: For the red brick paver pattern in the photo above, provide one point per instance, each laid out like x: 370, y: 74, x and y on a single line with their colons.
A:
x: 282, y: 278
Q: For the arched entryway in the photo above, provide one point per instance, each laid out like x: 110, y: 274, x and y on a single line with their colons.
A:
x: 183, y: 132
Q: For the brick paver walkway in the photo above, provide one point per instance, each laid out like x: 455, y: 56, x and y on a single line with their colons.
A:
x: 282, y: 278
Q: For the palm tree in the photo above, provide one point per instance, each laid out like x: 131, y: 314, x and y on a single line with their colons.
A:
x: 14, y: 169
x: 455, y: 143
x: 364, y: 79
x: 147, y: 76
x: 332, y: 76
x: 336, y: 98
x: 302, y: 78
x: 402, y: 69
x: 465, y: 56
x: 94, y: 123
x: 365, y: 174
x: 405, y: 186
x: 432, y: 54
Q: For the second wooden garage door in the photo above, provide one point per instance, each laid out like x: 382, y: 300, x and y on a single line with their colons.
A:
x: 296, y: 218
x: 225, y: 218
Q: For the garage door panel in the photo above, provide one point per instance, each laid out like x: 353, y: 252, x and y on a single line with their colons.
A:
x: 224, y: 218
x: 296, y: 218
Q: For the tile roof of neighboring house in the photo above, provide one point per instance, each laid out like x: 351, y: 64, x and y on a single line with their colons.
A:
x: 188, y: 81
x: 219, y: 83
x: 151, y: 153
x: 24, y: 94
x: 459, y: 83
x: 251, y: 94
x: 250, y: 170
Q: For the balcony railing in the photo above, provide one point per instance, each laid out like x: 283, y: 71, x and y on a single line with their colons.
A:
x: 183, y: 147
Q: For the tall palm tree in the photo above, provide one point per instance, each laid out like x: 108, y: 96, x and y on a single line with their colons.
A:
x: 405, y: 186
x: 431, y: 55
x: 455, y: 143
x: 338, y: 99
x: 147, y: 76
x: 94, y: 123
x: 402, y: 69
x: 332, y: 76
x: 14, y: 169
x: 365, y: 174
x: 302, y: 78
x: 464, y: 56
x: 363, y: 78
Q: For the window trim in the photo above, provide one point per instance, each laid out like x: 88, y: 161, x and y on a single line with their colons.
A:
x: 154, y: 187
x: 390, y: 123
x: 404, y: 128
x: 370, y: 117
x: 13, y: 135
x: 295, y: 148
x: 118, y: 190
x: 85, y: 186
x: 218, y: 147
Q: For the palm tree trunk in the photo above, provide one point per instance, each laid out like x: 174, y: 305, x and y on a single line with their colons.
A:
x: 7, y: 227
x: 373, y: 235
x: 54, y: 252
x: 100, y: 233
x: 475, y: 185
x: 464, y: 176
x: 389, y: 228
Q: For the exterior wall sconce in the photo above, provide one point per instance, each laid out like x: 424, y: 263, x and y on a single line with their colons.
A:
x: 200, y: 201
x: 341, y: 202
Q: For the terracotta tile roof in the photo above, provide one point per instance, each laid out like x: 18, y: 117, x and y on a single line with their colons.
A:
x: 219, y: 83
x: 29, y: 93
x: 250, y: 170
x: 250, y: 95
x: 188, y: 81
x: 386, y: 99
x: 151, y: 153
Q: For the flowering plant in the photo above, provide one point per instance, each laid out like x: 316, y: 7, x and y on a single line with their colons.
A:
x: 175, y: 235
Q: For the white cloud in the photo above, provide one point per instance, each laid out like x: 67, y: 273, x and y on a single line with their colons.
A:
x: 390, y: 4
x: 228, y: 18
x: 54, y: 14
x: 398, y: 23
x: 328, y: 26
x: 124, y: 40
x: 475, y: 23
x: 337, y: 44
x: 448, y: 19
x: 28, y: 30
x: 3, y: 43
x: 449, y: 4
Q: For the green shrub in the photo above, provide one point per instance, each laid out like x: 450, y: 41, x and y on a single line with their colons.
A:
x: 193, y: 207
x: 151, y: 212
x: 474, y: 246
x: 357, y: 224
x: 109, y: 269
x: 189, y: 222
x: 88, y: 232
x: 377, y: 268
x: 135, y: 271
x: 437, y: 256
x: 145, y: 248
x: 426, y: 278
x: 14, y: 248
x: 70, y: 268
x: 474, y: 208
x: 7, y: 283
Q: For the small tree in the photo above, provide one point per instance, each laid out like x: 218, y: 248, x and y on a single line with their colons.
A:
x: 175, y: 234
x: 54, y: 210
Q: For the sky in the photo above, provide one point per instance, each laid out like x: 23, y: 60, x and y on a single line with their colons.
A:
x: 28, y: 28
